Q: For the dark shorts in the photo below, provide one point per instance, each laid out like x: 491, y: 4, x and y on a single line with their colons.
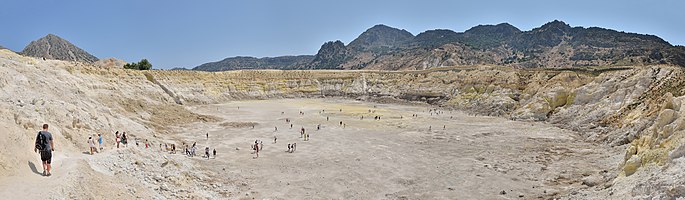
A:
x: 46, y: 156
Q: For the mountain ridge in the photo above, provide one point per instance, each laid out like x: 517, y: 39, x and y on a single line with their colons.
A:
x: 554, y: 44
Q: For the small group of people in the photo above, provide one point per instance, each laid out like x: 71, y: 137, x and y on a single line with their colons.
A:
x: 121, y: 139
x: 190, y: 152
x: 91, y: 144
x: 304, y: 134
x: 291, y: 147
x: 207, y: 153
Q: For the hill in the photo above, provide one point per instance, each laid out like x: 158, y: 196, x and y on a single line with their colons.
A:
x: 54, y: 47
x: 240, y: 63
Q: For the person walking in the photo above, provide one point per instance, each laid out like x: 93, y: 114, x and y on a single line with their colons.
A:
x: 118, y: 139
x: 91, y: 144
x: 124, y: 139
x: 207, y: 152
x: 100, y: 141
x: 45, y: 145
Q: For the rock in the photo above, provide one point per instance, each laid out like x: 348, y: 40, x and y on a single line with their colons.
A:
x: 632, y: 164
x: 503, y: 192
x: 520, y: 195
x: 665, y: 117
x: 592, y: 180
x: 677, y: 152
x: 632, y: 150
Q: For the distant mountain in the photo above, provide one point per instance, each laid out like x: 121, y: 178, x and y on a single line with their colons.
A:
x: 54, y: 47
x: 1, y: 47
x: 330, y: 56
x: 380, y: 38
x: 241, y: 63
x: 553, y: 45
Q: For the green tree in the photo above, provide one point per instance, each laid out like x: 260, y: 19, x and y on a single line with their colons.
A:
x: 142, y: 65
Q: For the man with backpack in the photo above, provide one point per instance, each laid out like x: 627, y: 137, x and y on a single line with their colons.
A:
x: 45, y: 145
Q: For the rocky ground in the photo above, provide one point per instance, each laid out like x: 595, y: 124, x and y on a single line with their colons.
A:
x: 594, y: 133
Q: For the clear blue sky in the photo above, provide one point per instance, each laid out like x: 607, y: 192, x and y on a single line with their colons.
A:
x: 175, y: 33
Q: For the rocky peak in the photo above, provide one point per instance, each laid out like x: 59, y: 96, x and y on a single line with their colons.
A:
x: 502, y: 29
x: 555, y: 25
x: 330, y: 56
x: 54, y: 47
x: 380, y: 37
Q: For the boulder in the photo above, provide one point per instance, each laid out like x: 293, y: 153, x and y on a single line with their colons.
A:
x: 632, y: 165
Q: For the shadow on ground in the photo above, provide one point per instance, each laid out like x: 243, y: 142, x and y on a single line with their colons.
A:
x: 34, y: 169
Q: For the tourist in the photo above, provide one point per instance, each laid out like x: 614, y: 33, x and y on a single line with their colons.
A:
x: 100, y: 141
x: 91, y: 144
x: 275, y: 128
x: 294, y: 147
x: 318, y: 127
x: 118, y: 139
x: 147, y: 145
x: 208, y: 135
x: 207, y: 152
x: 45, y: 145
x: 326, y: 118
x: 256, y: 149
x: 124, y: 139
x: 289, y: 148
x: 214, y: 153
x: 275, y: 139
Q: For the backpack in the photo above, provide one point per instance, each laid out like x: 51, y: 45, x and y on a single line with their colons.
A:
x: 40, y: 141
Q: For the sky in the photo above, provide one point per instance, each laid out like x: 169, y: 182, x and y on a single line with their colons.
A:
x: 182, y: 33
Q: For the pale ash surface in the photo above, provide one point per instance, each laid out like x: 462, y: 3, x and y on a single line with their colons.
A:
x: 395, y: 157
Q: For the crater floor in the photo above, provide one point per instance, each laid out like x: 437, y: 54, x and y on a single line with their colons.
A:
x: 410, y: 152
